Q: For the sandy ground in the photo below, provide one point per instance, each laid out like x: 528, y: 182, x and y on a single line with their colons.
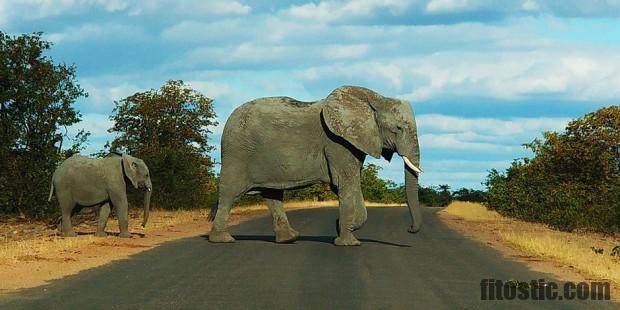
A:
x: 489, y: 233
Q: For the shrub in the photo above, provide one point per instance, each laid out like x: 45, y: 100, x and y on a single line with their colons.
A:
x: 573, y: 179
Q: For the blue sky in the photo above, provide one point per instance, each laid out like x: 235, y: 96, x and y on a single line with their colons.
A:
x: 483, y: 76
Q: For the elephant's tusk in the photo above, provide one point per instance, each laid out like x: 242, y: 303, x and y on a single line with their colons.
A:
x: 411, y: 165
x: 148, y: 189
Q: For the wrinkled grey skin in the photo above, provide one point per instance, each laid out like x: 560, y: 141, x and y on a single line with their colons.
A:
x: 86, y: 182
x: 278, y: 143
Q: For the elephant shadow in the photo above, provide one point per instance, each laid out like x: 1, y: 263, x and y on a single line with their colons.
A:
x: 321, y: 239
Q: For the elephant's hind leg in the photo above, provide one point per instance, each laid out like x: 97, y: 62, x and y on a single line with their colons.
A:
x: 66, y: 208
x: 284, y: 232
x: 219, y: 231
x: 104, y: 213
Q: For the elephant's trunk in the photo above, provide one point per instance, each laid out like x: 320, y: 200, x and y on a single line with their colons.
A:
x: 147, y: 205
x: 411, y: 188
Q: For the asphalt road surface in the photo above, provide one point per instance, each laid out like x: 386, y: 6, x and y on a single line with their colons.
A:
x: 436, y: 268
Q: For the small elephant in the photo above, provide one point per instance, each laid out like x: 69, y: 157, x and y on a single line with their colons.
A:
x: 277, y: 143
x: 86, y: 182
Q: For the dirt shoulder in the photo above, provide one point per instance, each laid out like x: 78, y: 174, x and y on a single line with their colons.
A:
x: 31, y: 254
x: 568, y: 256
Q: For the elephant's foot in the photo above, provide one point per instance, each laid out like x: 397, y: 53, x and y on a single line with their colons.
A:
x: 69, y: 234
x: 346, y: 240
x: 286, y: 235
x: 220, y: 237
x: 414, y: 229
x: 101, y: 234
x: 124, y: 235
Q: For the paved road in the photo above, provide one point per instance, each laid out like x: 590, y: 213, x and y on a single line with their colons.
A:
x: 436, y: 268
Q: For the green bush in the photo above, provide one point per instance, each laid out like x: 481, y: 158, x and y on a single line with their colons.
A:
x: 572, y: 181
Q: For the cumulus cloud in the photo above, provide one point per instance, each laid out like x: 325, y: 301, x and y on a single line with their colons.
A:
x: 437, y: 6
x: 327, y: 11
x: 103, y: 91
x: 37, y: 9
x: 514, y: 126
x: 106, y: 31
x: 457, y: 142
x: 212, y: 90
x: 518, y: 75
x: 98, y: 125
x: 270, y: 56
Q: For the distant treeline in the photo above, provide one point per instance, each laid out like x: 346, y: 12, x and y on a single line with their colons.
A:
x: 573, y: 179
x: 376, y: 189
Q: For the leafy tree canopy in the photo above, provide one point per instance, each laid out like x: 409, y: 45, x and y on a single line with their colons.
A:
x: 168, y: 128
x: 36, y: 106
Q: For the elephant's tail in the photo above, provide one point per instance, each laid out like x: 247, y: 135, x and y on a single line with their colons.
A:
x: 51, y: 191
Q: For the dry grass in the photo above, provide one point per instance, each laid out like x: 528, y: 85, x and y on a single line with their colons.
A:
x: 471, y: 211
x: 47, y: 240
x: 567, y: 249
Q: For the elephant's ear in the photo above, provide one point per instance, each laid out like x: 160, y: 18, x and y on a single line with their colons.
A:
x: 130, y: 168
x: 348, y: 113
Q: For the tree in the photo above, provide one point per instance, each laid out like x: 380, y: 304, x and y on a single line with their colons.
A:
x: 36, y: 103
x: 373, y: 187
x: 435, y: 196
x: 467, y: 194
x: 317, y: 192
x: 168, y: 128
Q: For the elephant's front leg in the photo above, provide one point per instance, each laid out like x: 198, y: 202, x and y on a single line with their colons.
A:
x: 119, y: 200
x: 352, y: 211
x: 284, y: 232
x: 104, y: 213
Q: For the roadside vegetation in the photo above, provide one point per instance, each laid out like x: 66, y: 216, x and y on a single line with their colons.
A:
x: 571, y: 182
x: 590, y: 253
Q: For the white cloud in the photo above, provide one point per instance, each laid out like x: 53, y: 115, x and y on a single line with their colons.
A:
x: 220, y: 7
x: 270, y: 55
x: 444, y: 132
x: 96, y: 124
x: 326, y: 11
x: 497, y: 127
x: 585, y: 75
x: 440, y: 6
x: 212, y: 90
x: 106, y: 31
x: 345, y: 51
x: 448, y: 165
x: 103, y: 91
x: 456, y: 142
x: 37, y: 9
x: 530, y: 5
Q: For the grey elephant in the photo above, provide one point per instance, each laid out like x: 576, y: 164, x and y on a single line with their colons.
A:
x: 85, y: 182
x: 278, y: 143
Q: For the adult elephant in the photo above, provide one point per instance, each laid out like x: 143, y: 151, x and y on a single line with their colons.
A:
x: 277, y: 143
x: 86, y: 182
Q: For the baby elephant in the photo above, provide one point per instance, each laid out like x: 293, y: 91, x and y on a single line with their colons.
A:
x: 86, y: 182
